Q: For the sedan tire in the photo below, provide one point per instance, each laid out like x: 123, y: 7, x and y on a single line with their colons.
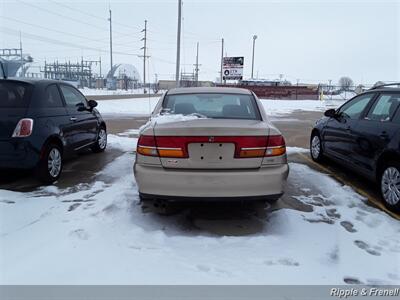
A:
x: 316, y: 150
x: 390, y: 185
x: 50, y: 166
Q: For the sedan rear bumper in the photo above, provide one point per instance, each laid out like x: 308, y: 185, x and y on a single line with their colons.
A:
x: 266, y: 182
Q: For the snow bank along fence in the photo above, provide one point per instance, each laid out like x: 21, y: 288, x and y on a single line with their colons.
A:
x: 291, y: 92
x: 123, y: 96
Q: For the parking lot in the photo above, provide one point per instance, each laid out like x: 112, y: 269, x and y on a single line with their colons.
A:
x: 329, y: 227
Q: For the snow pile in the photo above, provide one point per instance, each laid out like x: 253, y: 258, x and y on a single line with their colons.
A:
x: 171, y: 118
x: 282, y: 107
x: 97, y: 234
x: 121, y: 142
x: 129, y: 132
x: 293, y: 150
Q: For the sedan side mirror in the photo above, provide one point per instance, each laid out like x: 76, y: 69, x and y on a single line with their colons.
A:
x: 331, y: 113
x: 92, y: 104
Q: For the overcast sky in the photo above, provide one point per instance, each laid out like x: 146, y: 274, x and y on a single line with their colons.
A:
x: 313, y: 41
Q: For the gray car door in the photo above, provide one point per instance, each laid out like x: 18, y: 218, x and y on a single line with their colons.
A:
x: 338, y: 133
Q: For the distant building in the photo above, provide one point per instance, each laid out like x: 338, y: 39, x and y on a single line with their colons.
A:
x: 15, y: 62
x: 170, y: 84
x: 123, y: 76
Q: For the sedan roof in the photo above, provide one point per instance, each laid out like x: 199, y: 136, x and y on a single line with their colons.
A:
x: 213, y: 90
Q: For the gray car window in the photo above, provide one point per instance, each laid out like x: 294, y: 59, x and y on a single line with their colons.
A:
x: 396, y: 118
x: 384, y: 108
x: 355, y: 107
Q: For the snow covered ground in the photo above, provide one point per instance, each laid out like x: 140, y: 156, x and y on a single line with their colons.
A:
x: 284, y: 107
x: 134, y: 106
x: 143, y: 106
x: 92, y: 92
x: 97, y: 234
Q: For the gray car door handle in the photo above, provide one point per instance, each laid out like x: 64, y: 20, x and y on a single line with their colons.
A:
x: 73, y: 119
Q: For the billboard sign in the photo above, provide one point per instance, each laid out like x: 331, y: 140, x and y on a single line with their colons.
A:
x: 232, y: 68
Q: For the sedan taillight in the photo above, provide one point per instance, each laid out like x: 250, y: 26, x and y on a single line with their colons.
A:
x: 273, y: 145
x: 24, y: 128
x: 276, y: 146
x: 162, y: 146
x: 147, y: 145
x: 245, y: 146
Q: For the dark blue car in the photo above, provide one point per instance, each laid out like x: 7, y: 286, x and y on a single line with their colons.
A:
x: 42, y: 122
x: 364, y: 134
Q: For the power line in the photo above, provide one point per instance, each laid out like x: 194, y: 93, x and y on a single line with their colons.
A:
x: 60, y: 15
x: 43, y: 39
x: 53, y: 30
x: 125, y: 44
x: 66, y: 17
x: 92, y: 15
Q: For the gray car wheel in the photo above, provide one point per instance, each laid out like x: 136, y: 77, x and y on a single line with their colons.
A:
x: 390, y: 185
x: 316, y: 147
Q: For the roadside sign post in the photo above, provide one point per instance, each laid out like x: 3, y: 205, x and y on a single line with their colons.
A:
x: 232, y: 68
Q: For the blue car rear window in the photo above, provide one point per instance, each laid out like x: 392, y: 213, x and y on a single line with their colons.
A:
x: 14, y: 94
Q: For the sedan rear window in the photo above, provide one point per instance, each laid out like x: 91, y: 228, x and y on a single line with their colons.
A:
x: 216, y: 106
x: 14, y: 94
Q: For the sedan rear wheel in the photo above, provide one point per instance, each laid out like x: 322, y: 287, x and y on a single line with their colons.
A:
x: 316, y: 147
x: 390, y: 186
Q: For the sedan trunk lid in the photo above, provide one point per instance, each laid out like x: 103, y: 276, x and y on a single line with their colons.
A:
x: 211, y: 143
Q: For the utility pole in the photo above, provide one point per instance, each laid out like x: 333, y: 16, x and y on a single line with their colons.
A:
x: 178, y: 44
x: 252, y: 61
x: 222, y: 58
x: 111, y: 55
x: 196, y: 70
x: 144, y: 48
x: 22, y: 59
x: 100, y: 65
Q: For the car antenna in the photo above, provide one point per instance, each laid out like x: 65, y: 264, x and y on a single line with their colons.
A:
x: 2, y: 68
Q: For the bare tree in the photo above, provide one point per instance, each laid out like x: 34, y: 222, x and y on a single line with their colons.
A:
x: 359, y: 89
x: 345, y: 83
